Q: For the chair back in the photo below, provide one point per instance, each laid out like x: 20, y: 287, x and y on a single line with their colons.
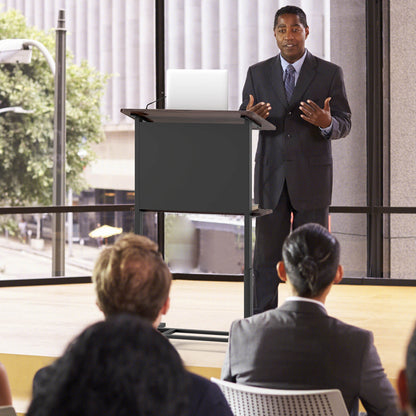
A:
x: 256, y: 401
x: 7, y: 411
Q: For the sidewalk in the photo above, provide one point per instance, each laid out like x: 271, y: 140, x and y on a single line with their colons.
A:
x: 19, y: 258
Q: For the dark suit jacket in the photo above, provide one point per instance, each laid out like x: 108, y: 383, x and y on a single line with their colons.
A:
x: 298, y: 346
x: 297, y: 151
x: 206, y: 398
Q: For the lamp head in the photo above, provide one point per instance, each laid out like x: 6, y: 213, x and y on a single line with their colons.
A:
x: 13, y: 51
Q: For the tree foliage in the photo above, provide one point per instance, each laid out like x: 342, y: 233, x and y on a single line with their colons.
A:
x: 26, y: 140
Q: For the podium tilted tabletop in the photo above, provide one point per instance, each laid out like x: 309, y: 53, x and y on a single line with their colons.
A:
x: 195, y: 161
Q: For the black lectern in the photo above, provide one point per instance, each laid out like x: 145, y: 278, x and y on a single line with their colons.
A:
x: 198, y: 162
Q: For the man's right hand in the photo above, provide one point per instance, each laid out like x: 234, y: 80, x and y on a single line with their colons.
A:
x: 262, y: 109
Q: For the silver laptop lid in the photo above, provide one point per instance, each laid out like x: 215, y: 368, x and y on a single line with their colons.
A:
x: 197, y: 89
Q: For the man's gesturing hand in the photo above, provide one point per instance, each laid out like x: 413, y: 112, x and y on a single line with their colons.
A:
x: 316, y: 115
x: 262, y: 109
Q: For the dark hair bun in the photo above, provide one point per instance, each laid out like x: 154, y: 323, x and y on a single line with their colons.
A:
x: 311, y: 258
x: 308, y: 269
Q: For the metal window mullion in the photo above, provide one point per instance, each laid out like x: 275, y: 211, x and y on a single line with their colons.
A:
x: 375, y: 139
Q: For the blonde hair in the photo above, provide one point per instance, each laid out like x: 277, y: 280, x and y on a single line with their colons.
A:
x: 131, y: 277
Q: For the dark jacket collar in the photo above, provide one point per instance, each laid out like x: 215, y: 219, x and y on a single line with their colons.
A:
x: 303, y: 307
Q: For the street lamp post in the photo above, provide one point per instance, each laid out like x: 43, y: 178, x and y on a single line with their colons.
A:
x: 58, y: 239
x: 19, y: 51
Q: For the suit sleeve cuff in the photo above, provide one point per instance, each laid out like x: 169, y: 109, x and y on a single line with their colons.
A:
x: 326, y: 132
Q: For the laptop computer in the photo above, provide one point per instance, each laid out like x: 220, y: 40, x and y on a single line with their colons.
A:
x: 197, y: 89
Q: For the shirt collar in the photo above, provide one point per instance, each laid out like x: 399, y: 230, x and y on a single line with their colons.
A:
x: 301, y: 299
x: 297, y: 65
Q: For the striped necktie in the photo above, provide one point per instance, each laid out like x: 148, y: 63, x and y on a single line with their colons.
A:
x: 289, y: 81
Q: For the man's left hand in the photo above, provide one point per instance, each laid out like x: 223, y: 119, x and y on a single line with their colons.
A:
x: 316, y: 115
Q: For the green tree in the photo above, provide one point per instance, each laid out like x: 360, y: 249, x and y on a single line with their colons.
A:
x: 26, y: 140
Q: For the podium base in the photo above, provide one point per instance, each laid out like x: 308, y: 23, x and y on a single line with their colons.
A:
x: 194, y: 334
x: 256, y: 211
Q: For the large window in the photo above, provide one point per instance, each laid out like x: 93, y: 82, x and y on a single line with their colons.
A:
x: 373, y: 166
x: 233, y: 35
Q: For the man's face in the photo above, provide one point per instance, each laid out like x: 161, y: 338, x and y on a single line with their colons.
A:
x: 290, y: 35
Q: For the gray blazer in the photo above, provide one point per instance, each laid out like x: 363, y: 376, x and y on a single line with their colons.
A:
x: 297, y: 151
x: 298, y: 346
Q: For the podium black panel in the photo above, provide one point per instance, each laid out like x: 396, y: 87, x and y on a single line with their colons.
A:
x: 191, y: 167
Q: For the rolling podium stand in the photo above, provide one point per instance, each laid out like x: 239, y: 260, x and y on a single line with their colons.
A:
x: 194, y: 161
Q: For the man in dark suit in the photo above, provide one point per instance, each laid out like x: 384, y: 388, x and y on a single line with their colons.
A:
x: 298, y: 346
x: 304, y: 97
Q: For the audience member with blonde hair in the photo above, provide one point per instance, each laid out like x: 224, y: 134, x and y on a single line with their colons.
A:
x: 298, y: 345
x: 131, y: 277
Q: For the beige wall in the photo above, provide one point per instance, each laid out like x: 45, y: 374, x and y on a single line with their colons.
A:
x: 403, y: 129
x: 348, y: 50
x: 347, y: 28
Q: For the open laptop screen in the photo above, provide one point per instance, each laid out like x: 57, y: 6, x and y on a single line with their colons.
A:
x: 197, y: 89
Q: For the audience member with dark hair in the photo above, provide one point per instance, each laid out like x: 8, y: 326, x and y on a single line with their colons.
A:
x: 406, y: 383
x: 117, y: 367
x: 131, y: 277
x: 298, y: 346
x: 5, y: 392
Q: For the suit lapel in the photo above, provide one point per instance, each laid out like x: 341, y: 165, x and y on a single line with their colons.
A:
x: 276, y: 77
x: 307, y: 74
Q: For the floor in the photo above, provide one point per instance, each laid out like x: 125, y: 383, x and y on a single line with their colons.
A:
x: 39, y: 321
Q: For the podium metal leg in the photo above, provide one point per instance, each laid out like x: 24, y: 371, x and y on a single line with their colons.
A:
x: 248, y: 267
x: 138, y: 222
x: 161, y: 232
